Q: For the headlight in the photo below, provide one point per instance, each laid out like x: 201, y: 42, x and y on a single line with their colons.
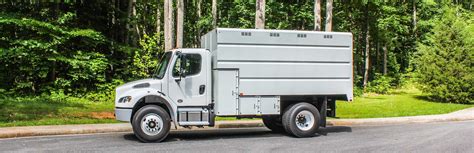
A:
x: 125, y: 99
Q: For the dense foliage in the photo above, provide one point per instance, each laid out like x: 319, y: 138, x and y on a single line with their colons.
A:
x: 87, y: 47
x: 38, y: 56
x: 446, y: 60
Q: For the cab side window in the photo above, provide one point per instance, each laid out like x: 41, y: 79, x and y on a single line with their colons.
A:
x: 191, y: 67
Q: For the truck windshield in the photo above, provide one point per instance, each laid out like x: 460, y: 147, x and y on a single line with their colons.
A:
x: 161, y: 69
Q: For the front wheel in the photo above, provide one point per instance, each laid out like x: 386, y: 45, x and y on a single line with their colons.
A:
x: 301, y: 120
x: 151, y: 123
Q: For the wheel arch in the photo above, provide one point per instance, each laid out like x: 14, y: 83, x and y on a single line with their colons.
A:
x: 154, y: 100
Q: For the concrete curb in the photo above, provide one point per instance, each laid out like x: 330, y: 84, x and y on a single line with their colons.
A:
x: 461, y: 115
x: 27, y: 131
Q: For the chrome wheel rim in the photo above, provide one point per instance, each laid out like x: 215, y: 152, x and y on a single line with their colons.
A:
x: 304, y: 120
x: 151, y: 124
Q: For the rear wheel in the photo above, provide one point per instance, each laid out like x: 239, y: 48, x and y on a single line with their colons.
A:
x: 273, y: 122
x: 151, y: 123
x: 301, y: 120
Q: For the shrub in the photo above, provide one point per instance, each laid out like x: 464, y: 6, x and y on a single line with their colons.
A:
x: 41, y: 56
x: 445, y: 60
x: 105, y: 92
x: 381, y: 84
x: 358, y: 91
x: 146, y: 60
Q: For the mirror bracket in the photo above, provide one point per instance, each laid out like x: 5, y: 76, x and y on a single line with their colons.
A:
x: 181, y: 73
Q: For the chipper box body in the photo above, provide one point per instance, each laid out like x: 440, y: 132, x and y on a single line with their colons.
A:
x: 290, y: 79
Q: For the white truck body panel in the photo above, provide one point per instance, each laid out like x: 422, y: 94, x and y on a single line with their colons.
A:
x: 279, y: 63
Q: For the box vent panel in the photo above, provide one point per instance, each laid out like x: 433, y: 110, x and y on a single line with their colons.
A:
x: 301, y: 35
x: 274, y: 35
x: 246, y: 34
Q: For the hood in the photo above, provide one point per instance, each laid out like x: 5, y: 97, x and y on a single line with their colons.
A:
x: 143, y: 83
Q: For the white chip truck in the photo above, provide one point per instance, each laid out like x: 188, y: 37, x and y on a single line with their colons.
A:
x: 290, y: 79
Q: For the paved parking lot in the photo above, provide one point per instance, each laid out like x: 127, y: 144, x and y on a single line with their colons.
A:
x: 422, y: 137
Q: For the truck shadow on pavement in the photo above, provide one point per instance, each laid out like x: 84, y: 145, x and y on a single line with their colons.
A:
x: 234, y: 133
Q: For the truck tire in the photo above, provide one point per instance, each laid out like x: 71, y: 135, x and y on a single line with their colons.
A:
x: 301, y: 120
x: 273, y: 122
x: 151, y: 123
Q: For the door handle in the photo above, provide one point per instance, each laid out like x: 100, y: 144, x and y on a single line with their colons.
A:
x: 202, y: 88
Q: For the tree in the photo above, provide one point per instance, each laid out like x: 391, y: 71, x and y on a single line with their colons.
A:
x: 168, y: 21
x: 328, y: 26
x: 198, y: 8
x: 179, y: 25
x: 260, y: 14
x: 385, y: 53
x: 158, y: 23
x: 131, y: 26
x: 414, y: 16
x: 446, y: 58
x: 214, y: 13
x: 317, y: 15
x: 367, y: 47
x: 31, y: 46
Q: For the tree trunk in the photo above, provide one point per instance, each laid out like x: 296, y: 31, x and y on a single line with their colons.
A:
x: 260, y: 14
x: 328, y: 26
x: 168, y: 21
x: 158, y: 23
x: 317, y: 15
x: 385, y: 52
x: 367, y: 48
x: 132, y: 12
x: 198, y: 6
x: 113, y: 21
x: 367, y: 58
x: 127, y: 24
x: 414, y: 16
x: 470, y: 5
x: 214, y: 13
x: 377, y: 58
x: 198, y: 31
x: 120, y: 30
x: 179, y: 24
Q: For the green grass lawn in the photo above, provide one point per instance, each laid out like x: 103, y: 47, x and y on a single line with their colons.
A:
x: 27, y: 111
x: 400, y: 102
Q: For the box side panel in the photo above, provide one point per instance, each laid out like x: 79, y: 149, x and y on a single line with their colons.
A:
x: 259, y: 105
x: 226, y: 92
x: 295, y: 86
x: 283, y: 62
x: 248, y: 105
x: 283, y: 53
x: 209, y: 42
x: 283, y: 37
x: 279, y: 70
x: 270, y: 105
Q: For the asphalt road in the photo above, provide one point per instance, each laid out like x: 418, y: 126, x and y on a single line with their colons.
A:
x: 423, y: 137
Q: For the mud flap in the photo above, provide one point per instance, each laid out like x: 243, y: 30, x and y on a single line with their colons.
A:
x: 331, y: 103
x: 323, y: 111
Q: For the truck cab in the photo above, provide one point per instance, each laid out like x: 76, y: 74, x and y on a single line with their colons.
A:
x: 290, y: 79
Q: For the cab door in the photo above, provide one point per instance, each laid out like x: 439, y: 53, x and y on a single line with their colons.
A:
x: 189, y: 88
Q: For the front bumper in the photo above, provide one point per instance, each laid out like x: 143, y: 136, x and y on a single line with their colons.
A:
x: 123, y: 114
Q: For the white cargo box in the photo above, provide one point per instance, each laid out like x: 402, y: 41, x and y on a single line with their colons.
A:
x: 278, y: 63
